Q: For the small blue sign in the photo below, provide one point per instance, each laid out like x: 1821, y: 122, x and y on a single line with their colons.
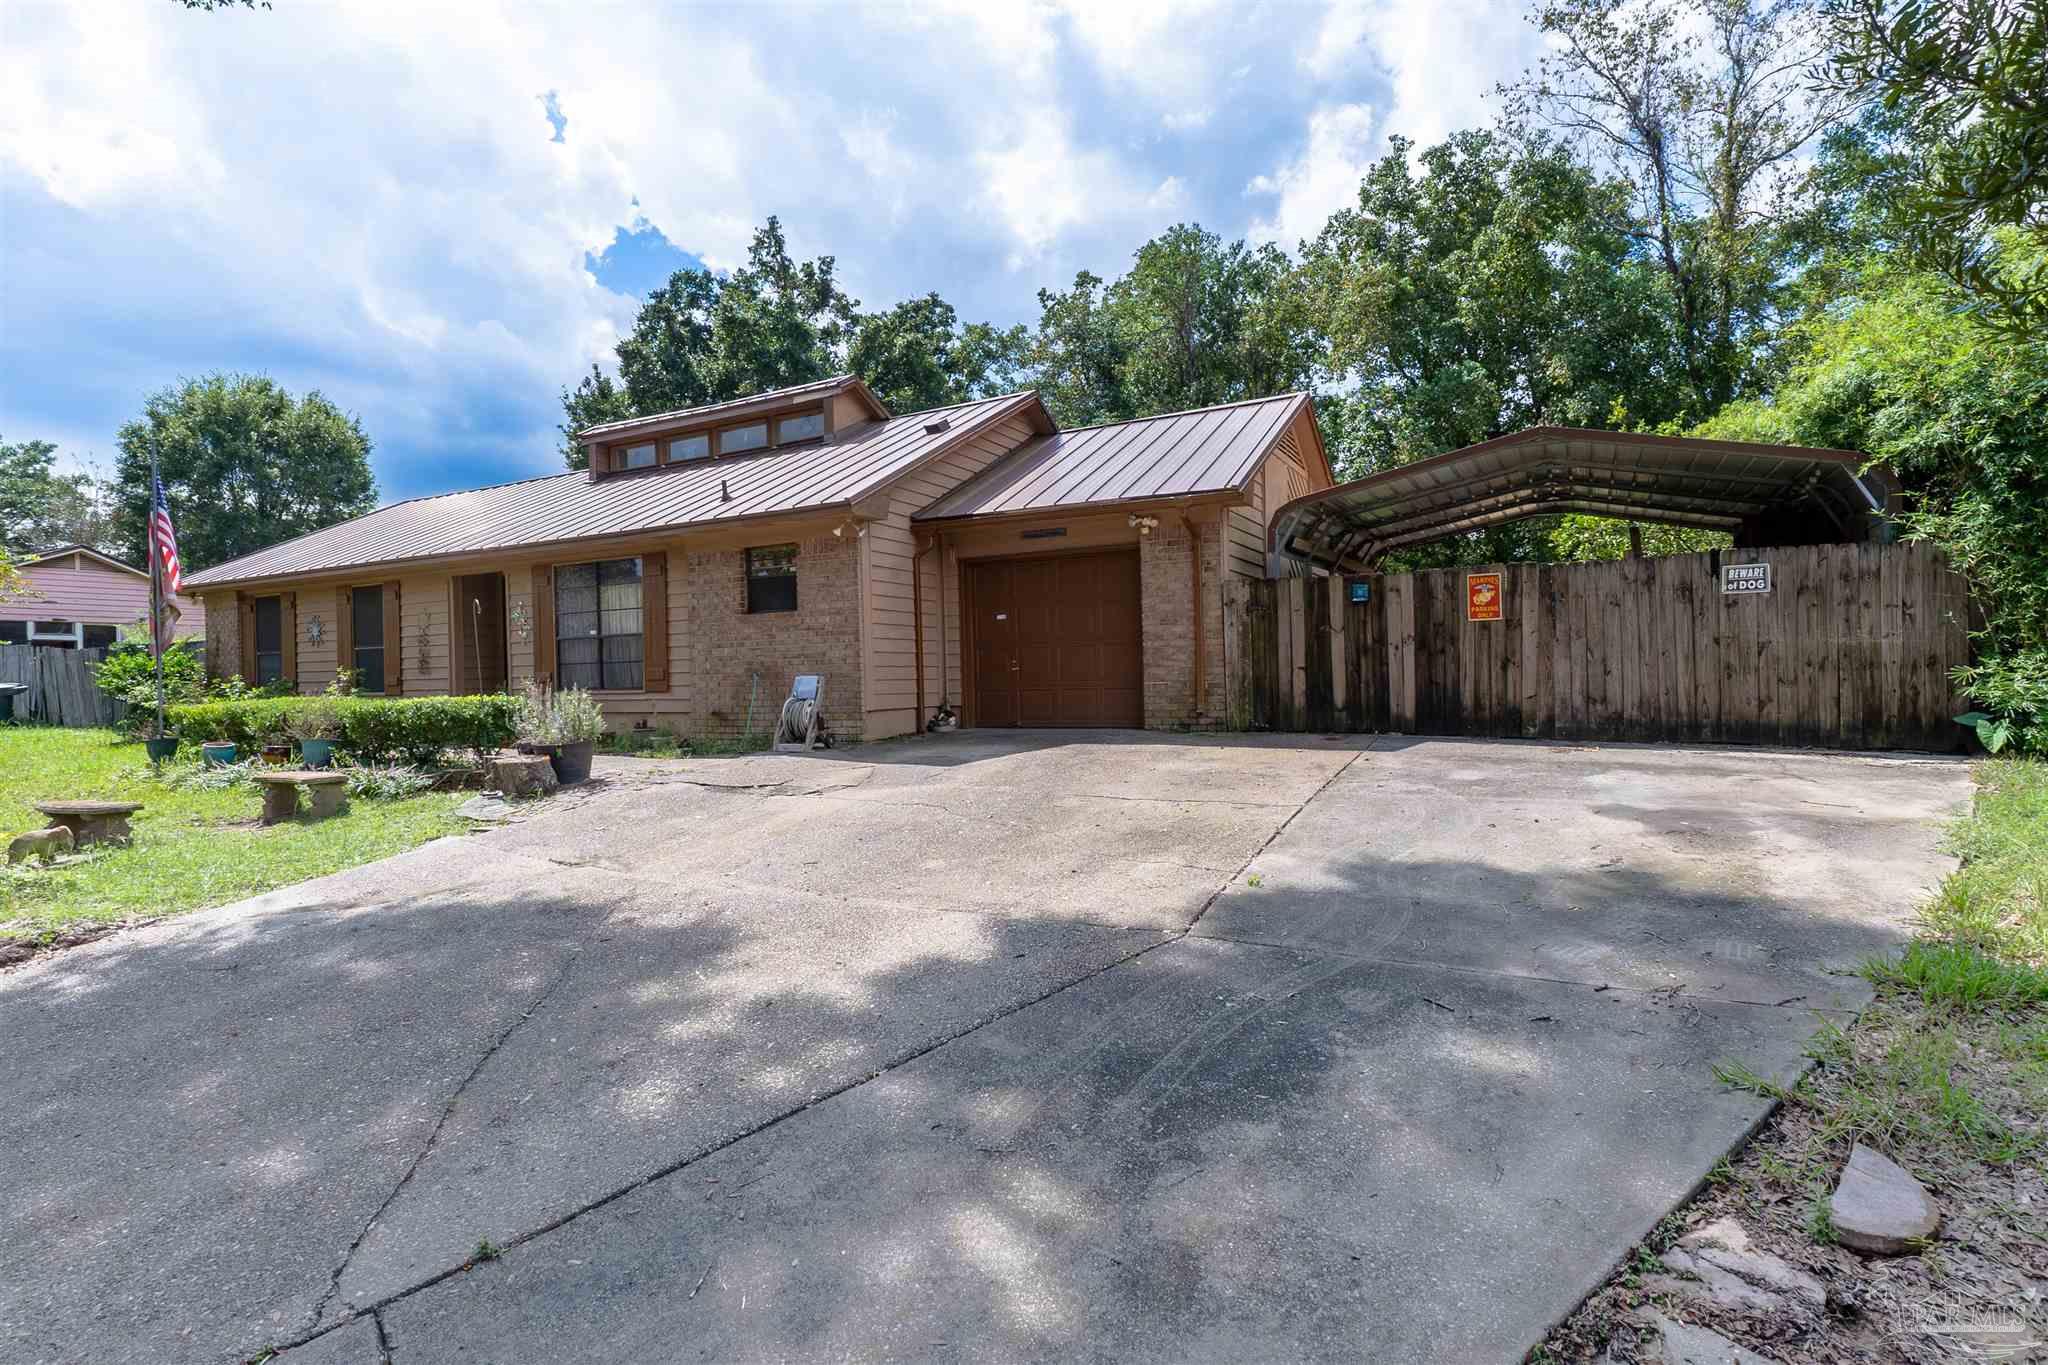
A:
x: 1361, y: 591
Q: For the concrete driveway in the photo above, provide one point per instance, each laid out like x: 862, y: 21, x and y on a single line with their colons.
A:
x: 1115, y: 1047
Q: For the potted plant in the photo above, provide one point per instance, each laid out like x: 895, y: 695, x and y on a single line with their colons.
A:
x: 316, y: 725
x: 275, y: 742
x: 161, y: 744
x: 218, y: 753
x: 564, y: 725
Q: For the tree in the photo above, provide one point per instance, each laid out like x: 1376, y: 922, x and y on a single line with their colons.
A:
x: 12, y: 583
x: 1960, y: 412
x: 1966, y: 84
x: 917, y: 355
x: 40, y: 508
x: 1201, y: 322
x: 1483, y: 289
x: 245, y: 465
x: 1702, y: 107
x: 1079, y: 359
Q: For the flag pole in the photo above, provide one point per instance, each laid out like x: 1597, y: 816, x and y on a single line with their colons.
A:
x: 156, y: 589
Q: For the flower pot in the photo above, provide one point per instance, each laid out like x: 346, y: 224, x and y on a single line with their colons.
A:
x: 277, y: 754
x: 316, y: 753
x: 572, y: 761
x: 161, y: 750
x: 217, y: 753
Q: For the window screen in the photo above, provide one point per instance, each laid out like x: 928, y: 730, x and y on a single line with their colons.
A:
x: 366, y: 631
x: 743, y: 438
x: 771, y: 578
x: 269, y: 640
x: 598, y: 639
x: 635, y: 457
x: 13, y: 632
x: 688, y: 448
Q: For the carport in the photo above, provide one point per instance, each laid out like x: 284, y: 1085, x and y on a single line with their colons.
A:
x: 1761, y: 494
x: 1817, y: 628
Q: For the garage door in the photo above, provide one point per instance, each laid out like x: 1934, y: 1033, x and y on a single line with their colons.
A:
x: 1054, y: 641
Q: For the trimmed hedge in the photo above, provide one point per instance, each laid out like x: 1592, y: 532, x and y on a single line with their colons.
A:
x: 373, y: 729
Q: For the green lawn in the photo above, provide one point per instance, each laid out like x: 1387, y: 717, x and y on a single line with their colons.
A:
x: 193, y: 847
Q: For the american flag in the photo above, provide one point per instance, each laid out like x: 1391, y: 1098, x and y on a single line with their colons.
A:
x: 163, y: 553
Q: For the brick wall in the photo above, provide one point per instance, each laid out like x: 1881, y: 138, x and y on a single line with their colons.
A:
x: 1166, y: 588
x: 821, y: 636
x: 223, y: 635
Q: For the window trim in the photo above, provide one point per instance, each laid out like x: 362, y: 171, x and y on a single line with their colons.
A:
x: 767, y: 436
x: 619, y: 451
x: 805, y: 415
x: 74, y: 638
x: 669, y: 444
x: 555, y: 611
x: 748, y: 578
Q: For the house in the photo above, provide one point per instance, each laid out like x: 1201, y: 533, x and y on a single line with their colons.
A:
x: 976, y: 555
x: 81, y: 599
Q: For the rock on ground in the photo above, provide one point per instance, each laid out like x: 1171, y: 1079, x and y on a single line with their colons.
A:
x: 1685, y: 1344
x: 1733, y: 1273
x: 1879, y: 1208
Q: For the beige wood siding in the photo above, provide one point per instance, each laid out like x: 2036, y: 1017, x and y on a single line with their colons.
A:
x: 888, y: 627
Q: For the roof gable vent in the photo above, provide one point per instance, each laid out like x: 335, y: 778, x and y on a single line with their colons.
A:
x: 937, y: 425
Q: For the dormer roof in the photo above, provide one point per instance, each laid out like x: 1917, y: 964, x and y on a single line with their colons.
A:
x: 774, y: 399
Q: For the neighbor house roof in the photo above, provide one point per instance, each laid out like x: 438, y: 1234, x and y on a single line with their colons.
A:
x: 1676, y: 480
x: 737, y: 407
x: 45, y: 556
x: 853, y: 463
x: 1175, y: 455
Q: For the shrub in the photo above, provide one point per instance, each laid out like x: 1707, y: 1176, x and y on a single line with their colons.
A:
x: 129, y: 673
x: 371, y: 729
x: 566, y: 716
x: 393, y: 783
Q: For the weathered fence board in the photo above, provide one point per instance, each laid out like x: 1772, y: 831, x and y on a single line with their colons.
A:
x: 1851, y: 648
x: 61, y: 690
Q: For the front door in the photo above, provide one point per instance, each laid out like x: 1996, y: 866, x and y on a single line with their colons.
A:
x: 1055, y: 641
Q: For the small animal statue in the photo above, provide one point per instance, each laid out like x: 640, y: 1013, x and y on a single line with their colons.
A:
x: 43, y: 843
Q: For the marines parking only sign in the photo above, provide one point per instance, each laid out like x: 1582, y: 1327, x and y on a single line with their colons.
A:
x: 1483, y: 594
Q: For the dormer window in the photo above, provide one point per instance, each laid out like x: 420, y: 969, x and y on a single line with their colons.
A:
x: 635, y: 457
x: 752, y: 436
x: 689, y: 448
x: 803, y: 427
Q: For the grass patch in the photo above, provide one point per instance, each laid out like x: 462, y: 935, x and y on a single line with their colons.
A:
x: 1966, y: 978
x: 1997, y: 903
x: 196, y: 843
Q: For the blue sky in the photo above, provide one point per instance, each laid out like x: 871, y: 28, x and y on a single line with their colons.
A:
x: 440, y: 216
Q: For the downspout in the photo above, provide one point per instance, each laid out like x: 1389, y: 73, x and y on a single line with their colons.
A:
x: 1201, y: 623
x: 917, y: 622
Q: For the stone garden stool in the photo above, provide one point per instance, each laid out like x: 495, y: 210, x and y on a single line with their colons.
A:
x: 92, y: 822
x: 281, y: 794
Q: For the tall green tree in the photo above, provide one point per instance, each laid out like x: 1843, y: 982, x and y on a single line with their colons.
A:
x: 1965, y: 85
x: 1483, y: 287
x: 245, y: 465
x: 1704, y: 109
x: 918, y: 355
x: 1079, y: 358
x: 41, y: 508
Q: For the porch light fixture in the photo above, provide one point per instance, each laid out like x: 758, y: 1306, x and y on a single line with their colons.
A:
x: 859, y: 529
x: 1145, y: 524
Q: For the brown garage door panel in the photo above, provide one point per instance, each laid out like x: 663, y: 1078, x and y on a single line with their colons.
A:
x: 1056, y: 641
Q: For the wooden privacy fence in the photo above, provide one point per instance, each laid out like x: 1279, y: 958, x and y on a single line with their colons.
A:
x: 1850, y: 648
x: 61, y: 690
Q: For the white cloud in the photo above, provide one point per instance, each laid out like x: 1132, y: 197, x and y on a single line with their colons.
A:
x: 1322, y: 178
x: 1442, y: 57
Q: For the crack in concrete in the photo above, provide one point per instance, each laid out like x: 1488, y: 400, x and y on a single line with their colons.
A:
x: 426, y: 1149
x: 376, y: 1309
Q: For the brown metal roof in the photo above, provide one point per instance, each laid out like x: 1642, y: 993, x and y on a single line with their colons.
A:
x: 1674, y: 480
x: 562, y: 507
x: 1178, y: 454
x: 734, y: 407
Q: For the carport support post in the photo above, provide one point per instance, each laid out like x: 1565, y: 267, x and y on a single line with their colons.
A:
x: 917, y: 619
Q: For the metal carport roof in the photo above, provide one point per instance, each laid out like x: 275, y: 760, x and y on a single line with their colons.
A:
x: 1674, y: 480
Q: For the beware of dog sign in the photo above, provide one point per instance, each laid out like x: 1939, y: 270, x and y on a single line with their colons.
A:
x: 1738, y: 578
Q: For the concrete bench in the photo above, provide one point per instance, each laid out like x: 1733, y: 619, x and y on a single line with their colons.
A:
x: 281, y: 794
x: 92, y: 822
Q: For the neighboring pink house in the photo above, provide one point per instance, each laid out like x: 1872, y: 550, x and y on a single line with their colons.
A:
x: 82, y: 598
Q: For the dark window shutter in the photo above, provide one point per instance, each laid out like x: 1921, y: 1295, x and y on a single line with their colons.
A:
x: 654, y: 621
x: 344, y: 629
x: 247, y: 606
x: 394, y: 643
x: 544, y: 624
x: 288, y: 631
